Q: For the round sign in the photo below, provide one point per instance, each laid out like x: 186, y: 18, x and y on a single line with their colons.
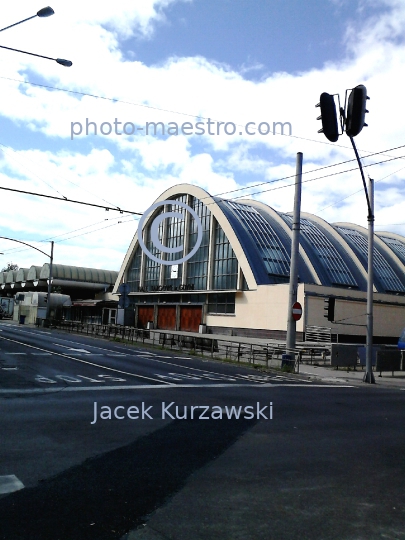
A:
x: 297, y: 311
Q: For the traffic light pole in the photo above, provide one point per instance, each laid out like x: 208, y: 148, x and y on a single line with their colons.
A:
x: 369, y: 375
x: 295, y: 242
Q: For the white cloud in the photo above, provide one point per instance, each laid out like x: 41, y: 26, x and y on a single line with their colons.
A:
x: 133, y: 171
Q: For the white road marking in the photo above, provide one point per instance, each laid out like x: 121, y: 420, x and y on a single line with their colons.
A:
x: 161, y: 387
x: 72, y: 349
x: 16, y: 353
x: 9, y: 484
x: 86, y: 362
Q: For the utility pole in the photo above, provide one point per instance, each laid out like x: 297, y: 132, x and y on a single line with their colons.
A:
x: 48, y: 304
x: 295, y: 243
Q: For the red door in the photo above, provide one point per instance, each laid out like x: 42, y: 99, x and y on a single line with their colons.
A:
x: 190, y: 318
x: 167, y: 317
x: 145, y: 314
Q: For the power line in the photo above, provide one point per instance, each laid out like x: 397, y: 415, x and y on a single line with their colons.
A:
x: 65, y: 199
x: 42, y: 180
x: 319, y: 178
x: 17, y: 250
x: 189, y: 115
x: 116, y: 100
x: 361, y: 190
x: 309, y: 172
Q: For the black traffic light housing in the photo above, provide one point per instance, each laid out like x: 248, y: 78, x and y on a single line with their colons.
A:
x: 329, y: 308
x: 356, y: 110
x: 329, y: 117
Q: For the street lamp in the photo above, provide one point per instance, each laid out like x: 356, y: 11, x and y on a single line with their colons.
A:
x: 44, y: 12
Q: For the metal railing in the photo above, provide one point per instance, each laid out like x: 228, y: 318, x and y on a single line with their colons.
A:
x: 208, y: 345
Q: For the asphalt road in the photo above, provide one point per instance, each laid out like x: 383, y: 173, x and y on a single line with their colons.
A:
x: 164, y: 454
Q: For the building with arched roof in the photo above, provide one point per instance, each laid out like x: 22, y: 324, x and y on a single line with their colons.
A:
x: 89, y: 288
x: 237, y: 280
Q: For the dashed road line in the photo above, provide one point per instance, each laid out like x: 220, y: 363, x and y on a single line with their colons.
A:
x: 86, y: 362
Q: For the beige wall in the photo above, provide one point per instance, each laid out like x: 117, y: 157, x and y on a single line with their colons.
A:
x: 351, y: 308
x: 264, y: 308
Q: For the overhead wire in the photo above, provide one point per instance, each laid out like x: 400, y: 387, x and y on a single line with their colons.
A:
x: 245, y: 188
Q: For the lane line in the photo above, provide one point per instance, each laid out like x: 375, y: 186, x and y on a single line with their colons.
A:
x: 86, y: 362
x: 156, y: 359
x: 163, y: 387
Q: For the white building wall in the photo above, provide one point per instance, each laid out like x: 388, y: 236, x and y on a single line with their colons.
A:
x: 264, y: 308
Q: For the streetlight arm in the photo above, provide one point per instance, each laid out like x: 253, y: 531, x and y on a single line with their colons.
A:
x: 25, y: 244
x: 61, y: 61
x: 15, y: 24
x: 44, y: 12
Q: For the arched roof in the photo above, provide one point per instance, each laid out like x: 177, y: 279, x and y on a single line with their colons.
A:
x: 330, y: 254
x: 78, y: 273
x: 33, y: 273
x: 22, y: 275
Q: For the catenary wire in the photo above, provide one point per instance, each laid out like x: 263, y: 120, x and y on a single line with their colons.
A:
x: 116, y: 100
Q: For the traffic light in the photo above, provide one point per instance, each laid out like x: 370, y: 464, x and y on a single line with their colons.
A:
x: 329, y: 308
x: 356, y: 110
x: 329, y: 117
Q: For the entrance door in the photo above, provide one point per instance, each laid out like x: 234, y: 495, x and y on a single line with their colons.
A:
x: 190, y: 318
x: 145, y: 314
x: 167, y: 317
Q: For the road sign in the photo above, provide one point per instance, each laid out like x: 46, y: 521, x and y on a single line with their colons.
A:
x: 297, y: 311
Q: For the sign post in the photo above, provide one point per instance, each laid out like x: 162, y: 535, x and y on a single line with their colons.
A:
x: 295, y: 241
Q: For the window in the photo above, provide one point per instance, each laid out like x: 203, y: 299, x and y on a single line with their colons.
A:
x: 336, y: 269
x: 174, y: 237
x: 197, y: 266
x: 382, y: 269
x: 272, y: 251
x: 134, y: 271
x: 225, y: 274
x: 221, y: 303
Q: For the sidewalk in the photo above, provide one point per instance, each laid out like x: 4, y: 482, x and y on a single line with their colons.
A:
x: 342, y: 375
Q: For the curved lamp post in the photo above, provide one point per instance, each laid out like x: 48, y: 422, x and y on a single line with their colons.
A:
x: 48, y: 304
x: 44, y: 12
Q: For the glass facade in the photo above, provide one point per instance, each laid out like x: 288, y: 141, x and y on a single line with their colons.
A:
x: 197, y: 266
x: 382, y: 269
x: 272, y: 251
x: 134, y: 272
x: 225, y: 264
x: 174, y: 237
x: 397, y: 247
x: 328, y: 256
x: 152, y: 268
x: 172, y: 232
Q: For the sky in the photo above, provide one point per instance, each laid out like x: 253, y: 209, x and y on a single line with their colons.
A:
x: 236, y: 67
